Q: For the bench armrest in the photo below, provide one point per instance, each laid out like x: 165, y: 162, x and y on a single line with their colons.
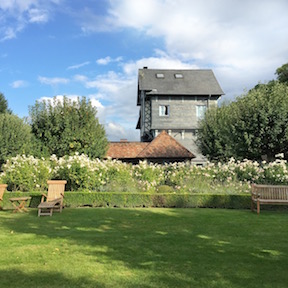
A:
x: 255, y: 195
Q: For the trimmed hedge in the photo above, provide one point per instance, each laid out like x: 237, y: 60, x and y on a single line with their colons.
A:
x: 123, y: 199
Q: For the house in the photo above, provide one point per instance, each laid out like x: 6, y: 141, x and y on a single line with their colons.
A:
x: 162, y: 149
x: 175, y: 101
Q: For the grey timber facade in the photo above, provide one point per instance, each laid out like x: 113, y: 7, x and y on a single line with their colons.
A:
x: 175, y: 101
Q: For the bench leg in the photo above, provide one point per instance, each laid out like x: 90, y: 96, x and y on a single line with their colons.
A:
x: 258, y: 207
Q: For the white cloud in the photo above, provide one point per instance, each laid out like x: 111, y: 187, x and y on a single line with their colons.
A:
x: 160, y: 61
x: 53, y: 81
x: 80, y: 78
x: 19, y: 84
x: 77, y: 66
x: 104, y: 61
x: 107, y: 60
x: 117, y: 93
x: 243, y: 42
x: 116, y: 132
x: 8, y: 33
x: 57, y: 98
x: 17, y: 14
x: 38, y: 15
x: 93, y: 22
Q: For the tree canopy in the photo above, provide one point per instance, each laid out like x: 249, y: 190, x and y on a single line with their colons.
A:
x: 15, y: 137
x: 282, y: 73
x: 4, y: 105
x: 65, y: 127
x: 255, y: 126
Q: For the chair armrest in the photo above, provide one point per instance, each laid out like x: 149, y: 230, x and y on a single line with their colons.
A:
x: 43, y: 196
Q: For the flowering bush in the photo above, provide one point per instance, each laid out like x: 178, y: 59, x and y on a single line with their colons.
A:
x: 26, y: 173
x: 92, y: 174
x: 148, y: 175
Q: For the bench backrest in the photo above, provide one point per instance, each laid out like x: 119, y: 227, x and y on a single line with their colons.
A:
x: 56, y: 189
x: 276, y: 192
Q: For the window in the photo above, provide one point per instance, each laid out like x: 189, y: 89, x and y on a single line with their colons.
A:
x: 164, y: 110
x: 178, y: 75
x: 200, y: 111
x: 159, y: 75
x: 183, y: 134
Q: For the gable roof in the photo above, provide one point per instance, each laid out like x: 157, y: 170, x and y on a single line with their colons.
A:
x: 162, y: 147
x: 192, y: 82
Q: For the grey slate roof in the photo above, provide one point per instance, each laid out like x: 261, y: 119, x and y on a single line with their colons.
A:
x: 194, y: 82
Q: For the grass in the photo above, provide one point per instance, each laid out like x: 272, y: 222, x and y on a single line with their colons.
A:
x: 89, y: 247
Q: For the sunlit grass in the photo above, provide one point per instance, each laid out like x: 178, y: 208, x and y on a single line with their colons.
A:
x: 144, y: 248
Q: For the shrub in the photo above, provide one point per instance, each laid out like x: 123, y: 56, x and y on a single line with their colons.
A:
x: 123, y: 199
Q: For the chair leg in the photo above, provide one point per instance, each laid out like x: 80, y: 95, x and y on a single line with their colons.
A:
x: 258, y: 207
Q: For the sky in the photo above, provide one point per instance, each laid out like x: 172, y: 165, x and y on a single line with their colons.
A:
x: 94, y: 48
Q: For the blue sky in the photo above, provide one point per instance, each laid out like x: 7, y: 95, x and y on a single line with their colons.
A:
x: 94, y: 48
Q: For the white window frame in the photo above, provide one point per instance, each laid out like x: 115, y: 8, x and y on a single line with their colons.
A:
x: 200, y: 111
x: 160, y: 75
x: 164, y: 110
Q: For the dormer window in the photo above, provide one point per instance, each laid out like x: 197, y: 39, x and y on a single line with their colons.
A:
x: 159, y: 75
x: 178, y: 75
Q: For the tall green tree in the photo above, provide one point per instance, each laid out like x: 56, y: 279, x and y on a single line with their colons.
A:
x: 15, y: 136
x: 4, y: 105
x: 65, y: 127
x: 253, y: 126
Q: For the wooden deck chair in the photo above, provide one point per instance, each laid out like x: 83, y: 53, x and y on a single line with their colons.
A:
x: 2, y: 190
x: 53, y: 201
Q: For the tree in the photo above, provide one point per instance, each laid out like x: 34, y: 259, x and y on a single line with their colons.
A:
x: 15, y: 136
x: 282, y: 73
x: 4, y: 105
x: 253, y: 126
x: 65, y: 127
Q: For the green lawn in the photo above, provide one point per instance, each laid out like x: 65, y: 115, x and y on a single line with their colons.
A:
x: 89, y: 247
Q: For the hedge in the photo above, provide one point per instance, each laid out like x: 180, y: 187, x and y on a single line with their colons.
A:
x: 123, y: 199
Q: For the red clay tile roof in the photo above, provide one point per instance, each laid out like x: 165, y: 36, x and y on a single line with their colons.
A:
x: 163, y: 146
x: 121, y: 150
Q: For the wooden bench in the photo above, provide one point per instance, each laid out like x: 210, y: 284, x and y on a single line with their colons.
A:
x: 268, y: 195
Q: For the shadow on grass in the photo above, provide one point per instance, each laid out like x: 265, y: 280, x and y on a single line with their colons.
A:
x: 172, y: 247
x: 17, y: 278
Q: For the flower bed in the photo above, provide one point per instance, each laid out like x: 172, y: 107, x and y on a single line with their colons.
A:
x: 26, y: 173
